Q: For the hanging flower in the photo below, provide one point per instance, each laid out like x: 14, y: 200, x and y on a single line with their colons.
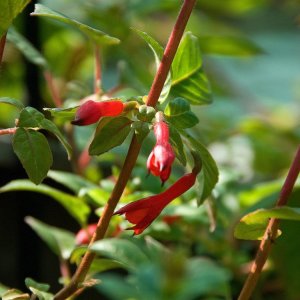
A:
x: 162, y: 156
x: 91, y: 111
x: 143, y: 212
x: 84, y: 235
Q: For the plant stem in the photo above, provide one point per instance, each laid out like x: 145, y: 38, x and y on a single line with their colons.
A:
x: 97, y: 84
x: 8, y: 131
x: 2, y: 45
x: 132, y: 154
x: 53, y: 89
x: 271, y: 231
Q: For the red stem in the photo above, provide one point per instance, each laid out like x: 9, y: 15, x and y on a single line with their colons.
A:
x: 132, y: 154
x: 8, y: 131
x: 53, y: 89
x: 97, y: 84
x: 2, y: 46
x: 271, y: 231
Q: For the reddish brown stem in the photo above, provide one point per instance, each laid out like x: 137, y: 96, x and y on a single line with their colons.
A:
x: 8, y: 131
x: 97, y: 84
x: 2, y: 46
x: 132, y: 154
x: 53, y: 89
x: 271, y: 231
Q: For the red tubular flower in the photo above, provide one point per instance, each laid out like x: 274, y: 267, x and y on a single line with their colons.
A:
x: 84, y: 235
x: 161, y: 158
x: 143, y: 212
x: 91, y: 111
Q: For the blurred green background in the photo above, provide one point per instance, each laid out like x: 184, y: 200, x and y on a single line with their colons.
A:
x: 251, y: 55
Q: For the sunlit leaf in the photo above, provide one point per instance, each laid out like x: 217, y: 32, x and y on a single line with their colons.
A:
x: 121, y: 250
x: 253, y: 225
x: 34, y: 152
x: 74, y: 205
x: 15, y: 294
x: 32, y: 54
x: 188, y: 78
x: 9, y: 10
x: 30, y: 117
x: 3, y: 289
x: 111, y: 132
x: 178, y: 112
x: 94, y: 34
x: 208, y: 177
x: 12, y: 101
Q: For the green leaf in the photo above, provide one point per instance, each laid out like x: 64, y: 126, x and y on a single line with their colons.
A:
x: 60, y: 241
x: 95, y: 35
x: 158, y: 52
x: 29, y: 282
x: 3, y: 289
x: 123, y: 251
x: 12, y: 101
x: 15, y: 294
x: 208, y: 177
x: 229, y: 45
x: 110, y: 133
x: 177, y: 145
x: 178, y: 112
x: 74, y: 205
x: 188, y: 78
x: 67, y: 114
x: 34, y: 152
x: 72, y: 181
x: 253, y: 225
x: 32, y: 54
x: 30, y: 117
x: 9, y: 10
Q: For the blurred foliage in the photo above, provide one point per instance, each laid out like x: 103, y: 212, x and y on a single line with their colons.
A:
x: 250, y: 54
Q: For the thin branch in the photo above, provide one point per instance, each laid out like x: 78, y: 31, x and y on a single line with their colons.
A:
x: 97, y: 84
x: 132, y: 154
x: 2, y: 46
x: 8, y: 131
x: 53, y: 89
x: 271, y: 231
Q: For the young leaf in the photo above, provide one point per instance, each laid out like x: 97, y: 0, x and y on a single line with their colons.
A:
x: 44, y: 287
x: 110, y: 133
x: 208, y: 177
x: 122, y: 251
x: 177, y: 145
x: 32, y: 54
x: 30, y: 117
x: 253, y: 225
x: 178, y: 112
x: 158, y: 52
x: 9, y: 10
x: 34, y: 152
x: 60, y: 241
x: 188, y: 78
x: 95, y: 35
x: 12, y: 101
x: 74, y: 205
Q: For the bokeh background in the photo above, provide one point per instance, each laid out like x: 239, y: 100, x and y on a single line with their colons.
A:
x: 251, y: 55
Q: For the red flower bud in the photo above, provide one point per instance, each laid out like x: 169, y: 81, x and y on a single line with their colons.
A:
x: 143, y: 212
x: 84, y: 235
x: 161, y: 158
x: 91, y: 111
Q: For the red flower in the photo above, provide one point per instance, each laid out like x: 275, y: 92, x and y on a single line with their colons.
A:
x: 84, y: 235
x: 143, y: 212
x: 161, y: 158
x: 91, y: 111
